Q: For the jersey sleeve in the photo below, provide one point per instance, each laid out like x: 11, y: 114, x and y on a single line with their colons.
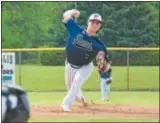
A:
x: 72, y: 26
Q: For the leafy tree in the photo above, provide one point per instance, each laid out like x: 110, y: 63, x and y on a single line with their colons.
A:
x: 36, y: 24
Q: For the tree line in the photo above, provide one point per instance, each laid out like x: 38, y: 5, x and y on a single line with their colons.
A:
x: 39, y: 24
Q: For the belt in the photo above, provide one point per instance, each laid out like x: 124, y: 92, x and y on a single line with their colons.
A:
x: 75, y: 66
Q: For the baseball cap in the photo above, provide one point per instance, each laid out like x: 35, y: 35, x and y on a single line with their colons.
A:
x: 95, y: 16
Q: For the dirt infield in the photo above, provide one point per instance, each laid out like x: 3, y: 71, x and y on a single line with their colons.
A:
x: 96, y: 110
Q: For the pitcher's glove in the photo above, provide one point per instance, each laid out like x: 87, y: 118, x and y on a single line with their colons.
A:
x: 102, y: 63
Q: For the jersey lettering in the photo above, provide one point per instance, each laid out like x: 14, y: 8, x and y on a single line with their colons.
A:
x: 79, y: 42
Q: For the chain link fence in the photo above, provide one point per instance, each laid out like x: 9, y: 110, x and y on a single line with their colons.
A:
x: 44, y: 70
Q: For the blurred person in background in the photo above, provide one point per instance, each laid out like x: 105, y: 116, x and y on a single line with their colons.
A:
x: 15, y: 104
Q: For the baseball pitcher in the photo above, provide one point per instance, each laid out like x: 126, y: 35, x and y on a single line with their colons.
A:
x: 81, y: 47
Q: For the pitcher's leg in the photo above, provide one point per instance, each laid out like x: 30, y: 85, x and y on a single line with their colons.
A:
x: 69, y: 75
x: 80, y: 98
x: 67, y: 79
x: 73, y: 91
x: 78, y: 81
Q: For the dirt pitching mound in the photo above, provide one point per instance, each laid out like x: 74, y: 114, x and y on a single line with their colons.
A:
x: 96, y: 110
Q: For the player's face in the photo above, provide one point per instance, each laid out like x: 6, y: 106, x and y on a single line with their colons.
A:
x: 94, y: 25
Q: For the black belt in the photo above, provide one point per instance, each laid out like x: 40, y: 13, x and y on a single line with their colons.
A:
x: 75, y: 66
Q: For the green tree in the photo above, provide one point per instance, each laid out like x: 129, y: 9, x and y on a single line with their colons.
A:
x: 36, y: 24
x: 32, y: 24
x: 126, y: 23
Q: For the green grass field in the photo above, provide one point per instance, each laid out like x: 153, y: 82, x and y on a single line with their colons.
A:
x: 93, y: 120
x: 55, y: 98
x: 141, y: 98
x: 48, y: 78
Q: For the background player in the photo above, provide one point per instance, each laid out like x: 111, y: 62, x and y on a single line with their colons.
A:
x: 81, y: 47
x: 104, y: 75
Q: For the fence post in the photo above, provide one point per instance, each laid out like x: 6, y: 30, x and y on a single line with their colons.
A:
x: 128, y: 76
x: 20, y: 69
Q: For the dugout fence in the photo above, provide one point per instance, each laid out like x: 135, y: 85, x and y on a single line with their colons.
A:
x: 42, y: 69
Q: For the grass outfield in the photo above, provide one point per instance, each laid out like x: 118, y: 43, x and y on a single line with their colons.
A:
x: 48, y: 78
x: 139, y: 98
x: 93, y: 120
x: 55, y: 98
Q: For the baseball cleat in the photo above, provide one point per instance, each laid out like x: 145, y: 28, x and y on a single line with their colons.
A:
x: 84, y: 102
x: 65, y: 108
x: 78, y: 100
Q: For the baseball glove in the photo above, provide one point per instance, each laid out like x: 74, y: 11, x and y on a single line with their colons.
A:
x: 102, y: 63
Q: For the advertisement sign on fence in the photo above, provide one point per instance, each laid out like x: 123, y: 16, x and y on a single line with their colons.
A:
x: 8, y: 68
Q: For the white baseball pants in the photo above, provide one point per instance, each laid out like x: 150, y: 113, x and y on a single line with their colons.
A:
x: 74, y: 79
